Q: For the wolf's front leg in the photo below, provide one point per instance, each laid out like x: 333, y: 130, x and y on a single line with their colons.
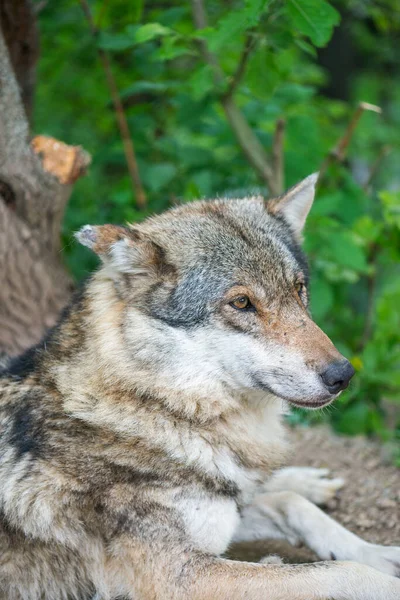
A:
x: 287, y: 515
x: 173, y: 572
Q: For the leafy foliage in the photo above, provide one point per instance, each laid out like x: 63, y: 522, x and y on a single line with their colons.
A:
x: 186, y: 148
x: 314, y: 19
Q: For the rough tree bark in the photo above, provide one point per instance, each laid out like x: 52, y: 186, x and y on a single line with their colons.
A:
x: 22, y: 40
x: 36, y: 180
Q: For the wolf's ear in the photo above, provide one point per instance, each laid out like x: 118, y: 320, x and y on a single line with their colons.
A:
x: 295, y: 204
x: 123, y: 249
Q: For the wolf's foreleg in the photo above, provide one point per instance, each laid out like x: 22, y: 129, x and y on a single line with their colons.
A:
x: 231, y: 580
x: 287, y: 515
x: 176, y: 573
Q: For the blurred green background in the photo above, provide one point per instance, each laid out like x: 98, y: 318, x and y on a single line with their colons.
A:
x: 310, y: 62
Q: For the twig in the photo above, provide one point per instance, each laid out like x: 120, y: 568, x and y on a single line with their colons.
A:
x: 278, y: 155
x: 200, y: 21
x: 245, y: 136
x: 376, y: 166
x: 338, y: 153
x: 241, y: 68
x: 120, y: 115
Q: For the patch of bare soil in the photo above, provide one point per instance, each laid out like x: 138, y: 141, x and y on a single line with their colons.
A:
x: 369, y: 503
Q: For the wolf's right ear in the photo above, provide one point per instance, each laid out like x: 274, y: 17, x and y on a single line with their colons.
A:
x: 123, y: 249
x: 295, y: 204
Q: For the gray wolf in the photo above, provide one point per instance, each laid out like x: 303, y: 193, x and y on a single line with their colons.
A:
x: 145, y: 434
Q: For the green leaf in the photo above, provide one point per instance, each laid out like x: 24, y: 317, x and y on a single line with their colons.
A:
x: 234, y: 24
x: 308, y: 48
x: 158, y: 176
x: 201, y: 82
x: 150, y: 31
x: 170, y: 16
x: 115, y: 42
x: 367, y: 230
x: 268, y: 68
x: 327, y: 204
x: 391, y: 207
x: 133, y: 35
x: 347, y: 253
x: 143, y: 87
x: 321, y: 298
x: 171, y: 48
x: 203, y: 180
x: 354, y: 419
x: 313, y: 18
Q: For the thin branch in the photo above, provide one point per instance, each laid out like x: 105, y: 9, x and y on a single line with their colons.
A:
x: 338, y: 153
x: 376, y: 166
x: 200, y: 22
x: 340, y: 150
x: 250, y: 145
x: 278, y: 159
x: 241, y: 68
x: 129, y: 149
x: 245, y: 136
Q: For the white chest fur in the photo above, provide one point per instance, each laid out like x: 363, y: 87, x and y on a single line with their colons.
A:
x: 210, y: 523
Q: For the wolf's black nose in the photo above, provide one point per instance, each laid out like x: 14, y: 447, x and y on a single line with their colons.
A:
x: 337, y: 376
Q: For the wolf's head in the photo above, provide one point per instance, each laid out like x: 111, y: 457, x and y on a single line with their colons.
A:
x: 214, y: 297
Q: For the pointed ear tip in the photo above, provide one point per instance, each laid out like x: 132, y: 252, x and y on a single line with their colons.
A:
x: 313, y: 178
x: 86, y: 235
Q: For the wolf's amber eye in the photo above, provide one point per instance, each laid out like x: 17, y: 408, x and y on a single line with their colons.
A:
x: 300, y: 289
x: 242, y: 303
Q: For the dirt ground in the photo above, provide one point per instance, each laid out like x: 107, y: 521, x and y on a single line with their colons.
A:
x: 369, y: 503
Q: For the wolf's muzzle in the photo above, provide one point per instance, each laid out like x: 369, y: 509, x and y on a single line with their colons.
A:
x: 337, y: 376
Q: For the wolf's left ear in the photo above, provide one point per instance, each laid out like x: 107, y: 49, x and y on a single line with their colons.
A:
x: 295, y: 204
x: 123, y: 249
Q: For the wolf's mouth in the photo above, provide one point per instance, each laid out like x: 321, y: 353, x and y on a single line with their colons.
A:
x: 313, y: 405
x: 309, y: 404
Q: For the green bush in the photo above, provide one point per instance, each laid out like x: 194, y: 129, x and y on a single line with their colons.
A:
x: 186, y: 148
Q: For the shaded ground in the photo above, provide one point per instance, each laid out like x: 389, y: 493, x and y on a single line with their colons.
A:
x: 368, y: 505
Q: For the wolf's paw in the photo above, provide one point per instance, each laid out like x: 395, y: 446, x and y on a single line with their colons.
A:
x: 313, y: 484
x: 382, y: 558
x: 320, y: 487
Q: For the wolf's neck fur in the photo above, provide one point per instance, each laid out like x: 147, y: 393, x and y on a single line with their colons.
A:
x: 103, y: 382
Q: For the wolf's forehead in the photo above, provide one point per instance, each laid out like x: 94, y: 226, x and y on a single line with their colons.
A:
x: 213, y: 224
x: 231, y: 235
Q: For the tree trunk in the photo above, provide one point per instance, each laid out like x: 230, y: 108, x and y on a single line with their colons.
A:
x: 35, y: 183
x: 22, y: 40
